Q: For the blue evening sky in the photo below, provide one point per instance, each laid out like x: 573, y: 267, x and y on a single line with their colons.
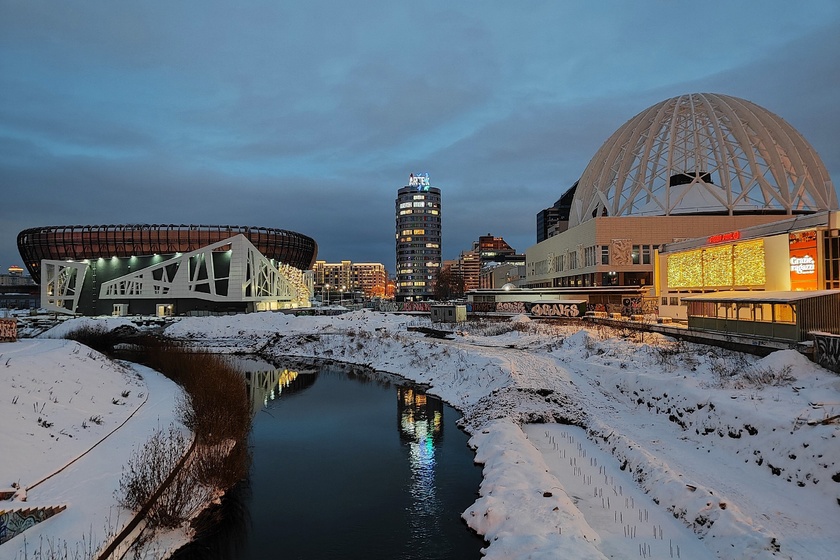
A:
x: 309, y: 115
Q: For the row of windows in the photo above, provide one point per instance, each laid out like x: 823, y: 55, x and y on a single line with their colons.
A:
x: 421, y: 239
x: 410, y: 211
x: 760, y: 312
x: 419, y: 205
x: 592, y: 256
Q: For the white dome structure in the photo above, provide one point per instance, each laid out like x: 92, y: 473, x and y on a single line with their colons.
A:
x: 703, y: 153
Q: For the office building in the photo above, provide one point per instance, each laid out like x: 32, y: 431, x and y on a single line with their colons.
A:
x: 418, y: 238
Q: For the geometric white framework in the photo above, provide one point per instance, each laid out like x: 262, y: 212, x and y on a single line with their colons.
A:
x: 251, y: 277
x: 703, y: 153
x: 61, y: 285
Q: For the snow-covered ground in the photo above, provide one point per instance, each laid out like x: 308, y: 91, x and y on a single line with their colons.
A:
x: 596, y: 442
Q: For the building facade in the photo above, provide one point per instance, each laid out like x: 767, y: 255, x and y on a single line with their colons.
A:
x: 555, y: 218
x: 357, y: 279
x: 800, y: 254
x: 150, y: 269
x: 418, y: 238
x: 690, y: 166
x: 489, y: 250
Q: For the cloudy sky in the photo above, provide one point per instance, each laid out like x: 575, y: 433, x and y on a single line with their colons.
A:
x: 309, y: 115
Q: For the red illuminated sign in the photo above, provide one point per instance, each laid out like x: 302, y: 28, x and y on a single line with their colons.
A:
x: 722, y: 237
x: 803, y: 260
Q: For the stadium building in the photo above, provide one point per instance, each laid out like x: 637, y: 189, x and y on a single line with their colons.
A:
x: 168, y: 269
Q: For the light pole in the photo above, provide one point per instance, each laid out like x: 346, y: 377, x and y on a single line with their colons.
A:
x: 327, y: 286
x: 342, y: 294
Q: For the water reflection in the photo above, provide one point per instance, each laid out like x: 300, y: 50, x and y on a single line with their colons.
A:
x: 420, y: 419
x: 265, y: 382
x: 351, y: 487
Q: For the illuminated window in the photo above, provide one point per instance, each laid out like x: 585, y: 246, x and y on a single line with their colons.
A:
x: 418, y: 205
x: 419, y: 197
x: 784, y: 313
x: 763, y: 312
x: 405, y: 205
x: 434, y: 212
x: 419, y: 232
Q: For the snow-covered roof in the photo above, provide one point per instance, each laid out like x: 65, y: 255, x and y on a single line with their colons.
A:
x: 760, y: 296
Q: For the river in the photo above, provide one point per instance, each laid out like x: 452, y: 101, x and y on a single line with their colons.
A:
x: 347, y: 464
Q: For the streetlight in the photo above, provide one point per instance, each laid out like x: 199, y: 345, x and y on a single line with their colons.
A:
x: 327, y: 286
x: 342, y: 294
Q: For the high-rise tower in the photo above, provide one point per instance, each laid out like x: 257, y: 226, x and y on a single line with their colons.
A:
x: 418, y: 238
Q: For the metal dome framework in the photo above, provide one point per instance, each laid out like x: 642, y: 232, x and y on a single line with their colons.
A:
x: 699, y: 154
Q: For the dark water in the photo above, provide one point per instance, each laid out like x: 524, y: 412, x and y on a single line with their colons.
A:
x: 348, y: 465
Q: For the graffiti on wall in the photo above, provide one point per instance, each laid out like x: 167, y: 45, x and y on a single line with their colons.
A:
x: 8, y: 330
x: 511, y: 307
x: 416, y: 306
x: 828, y: 351
x: 556, y: 309
x: 17, y: 521
x: 483, y: 307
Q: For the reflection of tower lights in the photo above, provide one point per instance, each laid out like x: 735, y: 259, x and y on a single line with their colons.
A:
x: 420, y: 423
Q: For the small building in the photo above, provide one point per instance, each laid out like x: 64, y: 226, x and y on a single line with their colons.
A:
x: 780, y: 315
x: 448, y: 313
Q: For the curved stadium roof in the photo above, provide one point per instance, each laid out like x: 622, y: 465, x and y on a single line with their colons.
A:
x: 92, y: 242
x: 703, y: 153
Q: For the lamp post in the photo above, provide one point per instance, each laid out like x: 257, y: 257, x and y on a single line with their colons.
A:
x: 327, y: 286
x: 342, y: 294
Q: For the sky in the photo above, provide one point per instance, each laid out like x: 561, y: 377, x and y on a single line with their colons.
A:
x: 727, y: 455
x: 309, y: 116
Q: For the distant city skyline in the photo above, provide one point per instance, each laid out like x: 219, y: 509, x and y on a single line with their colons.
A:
x: 308, y: 116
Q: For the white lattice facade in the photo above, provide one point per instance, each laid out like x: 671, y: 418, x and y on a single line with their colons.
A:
x: 229, y: 275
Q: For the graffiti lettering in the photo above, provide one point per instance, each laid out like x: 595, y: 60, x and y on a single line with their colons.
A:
x: 556, y: 309
x: 416, y: 306
x: 483, y: 306
x: 511, y: 307
x: 8, y: 330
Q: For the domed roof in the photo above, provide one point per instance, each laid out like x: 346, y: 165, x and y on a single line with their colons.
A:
x: 703, y: 153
